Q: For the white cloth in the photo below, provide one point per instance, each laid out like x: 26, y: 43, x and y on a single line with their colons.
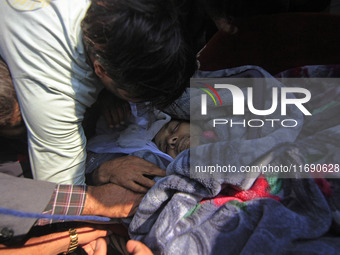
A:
x: 41, y: 43
x: 137, y: 136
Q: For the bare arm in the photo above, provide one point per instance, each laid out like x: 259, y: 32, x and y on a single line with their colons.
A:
x: 88, y: 237
x: 111, y: 200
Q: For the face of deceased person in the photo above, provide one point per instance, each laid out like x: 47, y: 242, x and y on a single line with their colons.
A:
x: 174, y: 137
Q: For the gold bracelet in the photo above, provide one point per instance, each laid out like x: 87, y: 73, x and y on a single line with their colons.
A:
x: 73, y: 241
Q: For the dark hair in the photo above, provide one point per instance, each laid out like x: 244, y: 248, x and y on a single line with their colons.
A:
x: 8, y: 97
x: 141, y: 46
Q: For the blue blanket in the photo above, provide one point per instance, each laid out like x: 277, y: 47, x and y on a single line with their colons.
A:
x: 242, y: 214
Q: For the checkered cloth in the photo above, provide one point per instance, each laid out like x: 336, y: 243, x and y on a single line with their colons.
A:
x: 66, y: 200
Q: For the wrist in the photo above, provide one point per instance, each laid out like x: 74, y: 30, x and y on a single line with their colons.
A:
x: 73, y: 241
x: 91, y: 206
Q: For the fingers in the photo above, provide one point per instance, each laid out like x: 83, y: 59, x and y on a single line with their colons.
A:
x: 145, y: 181
x: 114, y: 117
x: 156, y: 171
x: 137, y: 188
x: 135, y: 182
x: 136, y: 165
x: 101, y: 247
x: 89, y: 234
x: 116, y: 111
x: 137, y: 248
x: 139, y: 183
x: 108, y: 118
x: 127, y: 109
x: 151, y: 169
x: 129, y: 171
x: 90, y: 247
x: 146, y: 167
x: 117, y: 115
x: 96, y: 247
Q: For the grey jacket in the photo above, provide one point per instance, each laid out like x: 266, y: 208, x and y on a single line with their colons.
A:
x: 25, y: 195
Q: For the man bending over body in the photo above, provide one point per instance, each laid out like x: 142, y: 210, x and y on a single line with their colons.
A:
x: 108, y: 200
x: 62, y: 53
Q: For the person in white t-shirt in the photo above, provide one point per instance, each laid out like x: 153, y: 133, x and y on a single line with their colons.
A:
x: 61, y: 53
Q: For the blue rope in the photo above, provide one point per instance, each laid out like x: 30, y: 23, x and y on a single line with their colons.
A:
x: 21, y: 214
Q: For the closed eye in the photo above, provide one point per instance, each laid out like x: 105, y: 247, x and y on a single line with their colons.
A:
x: 174, y: 129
